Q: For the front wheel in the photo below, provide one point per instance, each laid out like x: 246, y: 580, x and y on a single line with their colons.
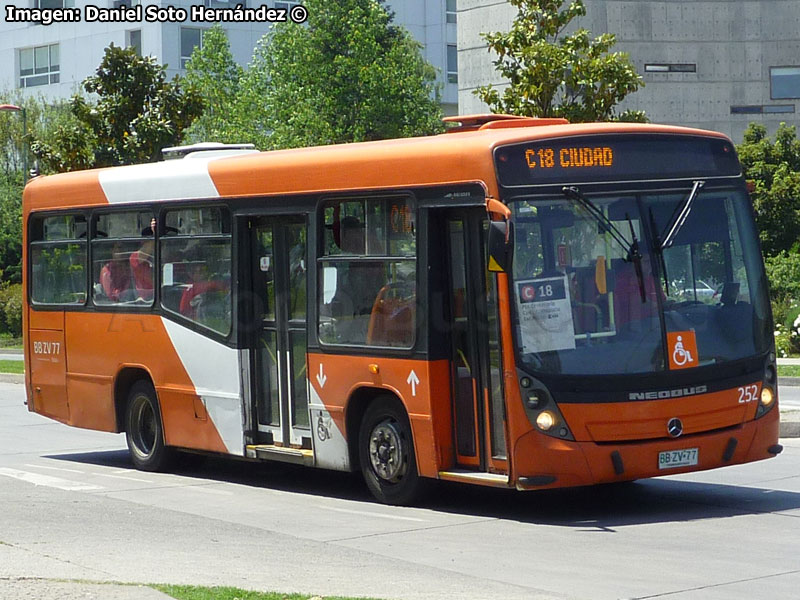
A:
x: 386, y: 453
x: 143, y: 430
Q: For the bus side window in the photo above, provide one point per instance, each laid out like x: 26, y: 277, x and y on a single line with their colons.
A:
x: 368, y: 273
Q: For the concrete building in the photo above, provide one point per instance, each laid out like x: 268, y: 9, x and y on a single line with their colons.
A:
x: 52, y: 60
x: 717, y: 64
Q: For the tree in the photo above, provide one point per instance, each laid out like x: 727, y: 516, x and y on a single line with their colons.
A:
x: 774, y: 169
x: 552, y: 74
x: 346, y: 75
x: 137, y: 113
x: 216, y: 76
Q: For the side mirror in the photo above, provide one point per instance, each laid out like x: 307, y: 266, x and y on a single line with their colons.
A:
x: 501, y: 243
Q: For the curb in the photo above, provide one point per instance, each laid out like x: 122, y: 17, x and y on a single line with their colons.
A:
x: 12, y: 378
x: 793, y: 381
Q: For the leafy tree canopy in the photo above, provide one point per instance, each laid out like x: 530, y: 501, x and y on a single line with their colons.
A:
x: 346, y: 75
x: 774, y: 169
x: 216, y: 76
x: 137, y: 112
x: 555, y: 74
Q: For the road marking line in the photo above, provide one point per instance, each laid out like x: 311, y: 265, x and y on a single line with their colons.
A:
x: 123, y: 477
x: 56, y: 469
x: 371, y: 514
x: 48, y: 481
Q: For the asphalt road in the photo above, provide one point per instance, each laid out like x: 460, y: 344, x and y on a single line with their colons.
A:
x: 71, y: 508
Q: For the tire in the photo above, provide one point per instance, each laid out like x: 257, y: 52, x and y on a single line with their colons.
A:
x: 386, y: 453
x: 144, y: 432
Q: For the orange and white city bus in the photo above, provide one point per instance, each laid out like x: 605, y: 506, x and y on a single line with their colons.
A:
x: 518, y: 302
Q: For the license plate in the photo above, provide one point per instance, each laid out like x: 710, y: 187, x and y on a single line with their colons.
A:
x: 672, y: 459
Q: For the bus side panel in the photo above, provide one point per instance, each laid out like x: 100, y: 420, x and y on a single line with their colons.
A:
x: 48, y: 368
x: 416, y: 383
x: 100, y: 345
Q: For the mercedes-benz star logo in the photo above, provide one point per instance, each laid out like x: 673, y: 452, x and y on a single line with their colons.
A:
x: 674, y: 427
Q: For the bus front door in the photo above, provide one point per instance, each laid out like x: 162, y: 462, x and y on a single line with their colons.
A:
x: 280, y: 265
x: 478, y: 410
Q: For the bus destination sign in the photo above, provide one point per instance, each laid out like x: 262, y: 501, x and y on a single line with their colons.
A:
x: 614, y: 158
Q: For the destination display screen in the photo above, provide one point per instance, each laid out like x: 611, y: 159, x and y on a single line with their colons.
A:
x: 614, y: 158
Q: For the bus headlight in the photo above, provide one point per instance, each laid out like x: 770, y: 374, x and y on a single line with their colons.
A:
x: 767, y: 397
x: 545, y: 420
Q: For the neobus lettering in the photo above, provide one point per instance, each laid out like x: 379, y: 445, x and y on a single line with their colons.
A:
x: 661, y: 394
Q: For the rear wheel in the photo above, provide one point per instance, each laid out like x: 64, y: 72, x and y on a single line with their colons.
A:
x: 386, y: 453
x: 143, y: 430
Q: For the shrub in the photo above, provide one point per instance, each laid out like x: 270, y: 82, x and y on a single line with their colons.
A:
x: 11, y: 309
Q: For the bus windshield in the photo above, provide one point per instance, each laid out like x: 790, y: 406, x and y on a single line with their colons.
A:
x: 584, y: 305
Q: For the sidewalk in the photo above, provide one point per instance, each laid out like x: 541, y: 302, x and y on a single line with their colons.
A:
x: 53, y: 589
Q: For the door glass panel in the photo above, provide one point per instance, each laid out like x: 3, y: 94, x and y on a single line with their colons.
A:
x: 299, y: 379
x: 265, y: 273
x: 296, y: 243
x: 462, y: 360
x: 269, y: 411
x: 495, y: 383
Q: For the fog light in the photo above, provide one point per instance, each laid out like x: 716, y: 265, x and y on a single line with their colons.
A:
x: 767, y: 396
x: 545, y: 420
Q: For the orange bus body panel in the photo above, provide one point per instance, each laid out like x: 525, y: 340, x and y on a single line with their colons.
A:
x: 427, y: 403
x: 100, y: 345
x: 586, y: 463
x: 643, y: 420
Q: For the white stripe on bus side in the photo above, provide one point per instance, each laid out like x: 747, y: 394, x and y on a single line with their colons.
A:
x: 169, y: 180
x: 214, y: 371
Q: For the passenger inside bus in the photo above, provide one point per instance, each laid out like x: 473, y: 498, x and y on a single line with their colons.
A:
x: 115, y: 277
x: 197, y: 299
x: 141, y: 263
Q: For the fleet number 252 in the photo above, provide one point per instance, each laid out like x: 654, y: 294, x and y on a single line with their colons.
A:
x: 748, y: 393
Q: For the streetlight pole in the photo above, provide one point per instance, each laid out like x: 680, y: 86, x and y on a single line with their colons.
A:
x: 21, y: 109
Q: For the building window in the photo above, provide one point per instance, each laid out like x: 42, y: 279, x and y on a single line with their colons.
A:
x: 450, y: 10
x: 134, y: 40
x: 287, y: 6
x: 758, y: 109
x: 191, y: 38
x: 670, y: 68
x: 452, y: 63
x: 38, y: 66
x: 784, y: 82
x: 53, y: 3
x: 224, y: 3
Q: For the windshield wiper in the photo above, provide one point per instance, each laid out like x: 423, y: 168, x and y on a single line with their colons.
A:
x: 631, y: 247
x: 679, y: 216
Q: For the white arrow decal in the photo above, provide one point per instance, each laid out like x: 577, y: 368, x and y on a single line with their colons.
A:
x: 413, y: 380
x: 321, y: 378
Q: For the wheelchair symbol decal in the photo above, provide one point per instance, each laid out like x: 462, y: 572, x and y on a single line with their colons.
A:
x: 680, y: 355
x: 682, y: 349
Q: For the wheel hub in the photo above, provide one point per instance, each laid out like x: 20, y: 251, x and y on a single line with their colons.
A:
x: 387, y: 452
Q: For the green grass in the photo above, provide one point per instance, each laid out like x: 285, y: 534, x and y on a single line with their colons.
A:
x: 788, y: 370
x: 12, y: 366
x: 190, y: 592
